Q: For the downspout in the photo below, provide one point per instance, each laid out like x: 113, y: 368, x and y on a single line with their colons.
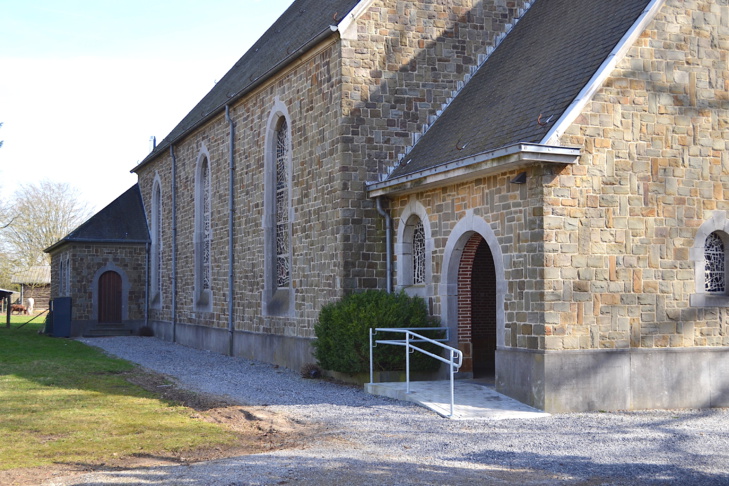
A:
x: 231, y: 211
x: 146, y: 284
x: 174, y: 243
x: 388, y: 242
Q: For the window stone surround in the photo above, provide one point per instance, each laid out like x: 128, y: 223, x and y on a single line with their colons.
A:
x: 276, y: 301
x: 413, y: 212
x: 718, y: 223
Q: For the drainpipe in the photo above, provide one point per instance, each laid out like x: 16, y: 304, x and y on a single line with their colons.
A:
x: 146, y: 284
x: 174, y: 243
x: 231, y: 211
x: 388, y: 242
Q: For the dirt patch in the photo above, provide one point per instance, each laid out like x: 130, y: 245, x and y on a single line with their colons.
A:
x: 257, y: 430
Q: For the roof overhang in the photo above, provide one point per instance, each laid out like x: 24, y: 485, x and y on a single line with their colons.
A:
x: 484, y: 164
x: 68, y: 241
x: 205, y: 117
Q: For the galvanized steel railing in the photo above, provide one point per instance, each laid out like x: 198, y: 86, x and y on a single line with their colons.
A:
x: 454, y: 361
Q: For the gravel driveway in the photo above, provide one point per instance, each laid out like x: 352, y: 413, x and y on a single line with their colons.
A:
x: 371, y: 440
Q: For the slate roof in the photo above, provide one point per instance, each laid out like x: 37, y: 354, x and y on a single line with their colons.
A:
x: 40, y: 274
x: 304, y: 23
x: 122, y: 221
x: 539, y: 68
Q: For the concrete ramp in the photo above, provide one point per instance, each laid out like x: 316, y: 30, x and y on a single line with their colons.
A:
x: 473, y: 401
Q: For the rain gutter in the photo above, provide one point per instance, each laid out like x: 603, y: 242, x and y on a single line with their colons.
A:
x: 231, y: 212
x: 146, y: 284
x: 174, y: 243
x: 388, y: 242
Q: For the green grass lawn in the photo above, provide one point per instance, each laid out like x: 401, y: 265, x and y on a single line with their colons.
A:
x: 64, y: 402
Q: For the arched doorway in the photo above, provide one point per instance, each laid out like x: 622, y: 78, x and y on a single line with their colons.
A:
x: 110, y: 297
x: 477, y: 307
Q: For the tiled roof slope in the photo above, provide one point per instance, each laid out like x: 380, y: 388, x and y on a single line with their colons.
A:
x: 123, y: 220
x: 539, y: 68
x: 300, y: 24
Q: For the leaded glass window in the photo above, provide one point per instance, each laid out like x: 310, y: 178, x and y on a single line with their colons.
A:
x: 157, y: 246
x: 283, y: 273
x: 62, y: 278
x: 418, y: 253
x: 715, y: 270
x: 206, y: 229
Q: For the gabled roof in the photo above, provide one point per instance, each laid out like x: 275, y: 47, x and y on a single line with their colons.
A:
x: 40, y: 274
x: 529, y: 81
x: 122, y: 221
x: 300, y: 27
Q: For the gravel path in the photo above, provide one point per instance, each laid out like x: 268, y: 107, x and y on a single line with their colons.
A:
x: 371, y: 440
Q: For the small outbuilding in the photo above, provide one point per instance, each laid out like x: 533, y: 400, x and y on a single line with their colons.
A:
x: 35, y: 287
x: 102, y: 265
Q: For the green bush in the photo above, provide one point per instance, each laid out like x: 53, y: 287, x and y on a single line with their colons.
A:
x: 342, y: 332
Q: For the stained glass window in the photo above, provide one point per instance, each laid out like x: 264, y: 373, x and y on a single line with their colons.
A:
x: 283, y: 273
x: 62, y: 278
x: 715, y: 271
x: 157, y: 250
x: 68, y: 275
x: 418, y: 253
x: 206, y: 229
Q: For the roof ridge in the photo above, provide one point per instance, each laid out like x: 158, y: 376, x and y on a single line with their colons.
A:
x: 482, y: 58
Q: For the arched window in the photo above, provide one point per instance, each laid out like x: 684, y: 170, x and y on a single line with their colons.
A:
x: 418, y: 253
x: 67, y: 276
x: 715, y: 264
x: 156, y: 246
x: 203, y: 235
x: 62, y: 277
x: 414, y: 248
x: 709, y: 254
x: 278, y: 293
x: 283, y: 266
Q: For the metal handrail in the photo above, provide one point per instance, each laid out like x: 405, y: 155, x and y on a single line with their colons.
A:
x: 456, y: 355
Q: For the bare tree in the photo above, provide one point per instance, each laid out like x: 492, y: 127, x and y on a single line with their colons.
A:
x: 41, y: 215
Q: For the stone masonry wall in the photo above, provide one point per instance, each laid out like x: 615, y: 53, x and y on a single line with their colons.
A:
x: 352, y: 114
x: 86, y: 260
x: 513, y: 211
x: 405, y: 62
x: 597, y: 255
x: 309, y: 89
x: 618, y: 226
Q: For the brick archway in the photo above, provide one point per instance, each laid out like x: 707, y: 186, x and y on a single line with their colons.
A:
x: 477, y: 307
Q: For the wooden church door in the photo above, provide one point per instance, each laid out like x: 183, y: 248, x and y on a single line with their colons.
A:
x: 110, y: 297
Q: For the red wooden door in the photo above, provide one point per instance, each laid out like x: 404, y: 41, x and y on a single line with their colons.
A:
x: 110, y: 297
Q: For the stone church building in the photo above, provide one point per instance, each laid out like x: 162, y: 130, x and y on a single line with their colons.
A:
x: 551, y: 176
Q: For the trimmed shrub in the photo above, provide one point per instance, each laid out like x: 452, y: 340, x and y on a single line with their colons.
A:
x: 342, y: 332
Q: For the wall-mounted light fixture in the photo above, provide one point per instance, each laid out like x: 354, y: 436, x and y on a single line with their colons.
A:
x: 519, y: 179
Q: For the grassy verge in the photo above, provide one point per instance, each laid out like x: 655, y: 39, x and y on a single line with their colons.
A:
x: 64, y: 402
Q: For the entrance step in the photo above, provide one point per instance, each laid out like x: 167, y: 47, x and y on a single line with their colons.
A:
x: 107, y: 330
x: 473, y: 401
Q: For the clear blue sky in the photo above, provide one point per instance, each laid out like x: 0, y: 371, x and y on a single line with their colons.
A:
x: 84, y: 84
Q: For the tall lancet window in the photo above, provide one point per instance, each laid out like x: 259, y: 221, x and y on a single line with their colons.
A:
x: 156, y: 247
x: 206, y: 232
x: 418, y: 253
x: 278, y: 295
x: 714, y: 256
x: 62, y: 277
x: 283, y: 267
x: 203, y: 236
